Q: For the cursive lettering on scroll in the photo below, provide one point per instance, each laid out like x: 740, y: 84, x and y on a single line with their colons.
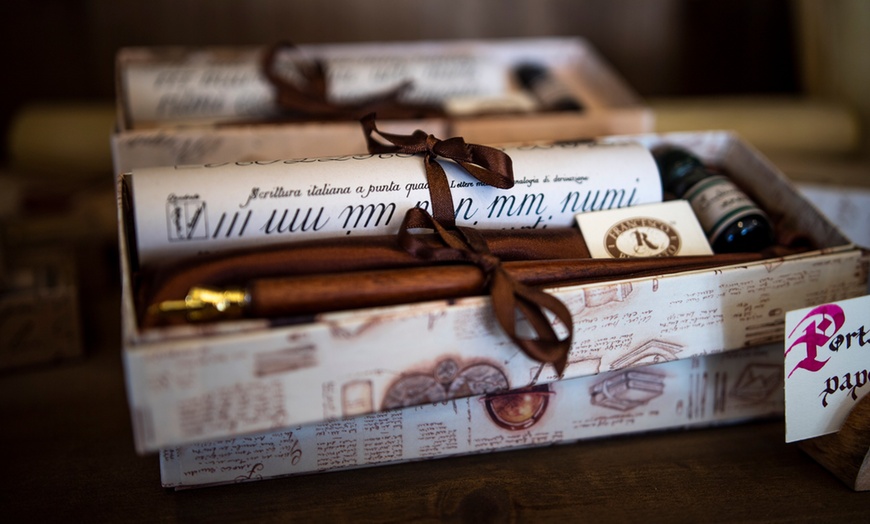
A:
x: 224, y: 206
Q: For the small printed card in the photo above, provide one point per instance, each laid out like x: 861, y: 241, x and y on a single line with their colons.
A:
x: 827, y: 363
x: 651, y: 230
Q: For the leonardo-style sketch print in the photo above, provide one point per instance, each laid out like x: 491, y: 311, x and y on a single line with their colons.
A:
x: 518, y: 409
x: 650, y: 352
x: 599, y: 296
x: 766, y: 332
x: 447, y: 380
x: 627, y: 390
x: 757, y: 382
x: 356, y: 398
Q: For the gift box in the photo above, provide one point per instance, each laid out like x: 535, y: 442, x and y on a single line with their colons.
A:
x: 727, y: 388
x: 203, y: 382
x: 209, y: 105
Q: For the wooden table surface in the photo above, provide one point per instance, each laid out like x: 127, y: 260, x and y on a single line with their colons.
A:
x: 68, y: 456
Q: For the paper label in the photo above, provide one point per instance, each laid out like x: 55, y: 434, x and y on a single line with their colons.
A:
x: 827, y: 362
x: 186, y: 210
x: 652, y: 230
x: 215, y: 89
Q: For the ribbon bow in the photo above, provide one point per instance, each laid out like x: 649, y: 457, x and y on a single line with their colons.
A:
x: 466, y: 245
x: 487, y: 164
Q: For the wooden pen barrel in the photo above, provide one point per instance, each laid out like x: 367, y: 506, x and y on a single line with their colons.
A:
x: 311, y: 294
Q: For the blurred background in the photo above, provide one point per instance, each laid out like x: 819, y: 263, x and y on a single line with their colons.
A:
x: 801, y: 52
x: 791, y: 76
x: 63, y: 50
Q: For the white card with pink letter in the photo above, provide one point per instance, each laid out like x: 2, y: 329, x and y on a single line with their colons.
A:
x: 827, y: 366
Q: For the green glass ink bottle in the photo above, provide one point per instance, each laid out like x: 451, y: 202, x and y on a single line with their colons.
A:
x: 732, y: 221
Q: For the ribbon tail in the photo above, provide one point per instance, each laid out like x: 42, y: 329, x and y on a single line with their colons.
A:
x: 413, y: 143
x: 440, y: 194
x: 509, y: 296
x: 310, y: 98
x: 489, y: 165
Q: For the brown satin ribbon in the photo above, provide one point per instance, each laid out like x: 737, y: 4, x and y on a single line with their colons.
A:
x: 463, y: 244
x: 309, y: 100
x: 487, y: 164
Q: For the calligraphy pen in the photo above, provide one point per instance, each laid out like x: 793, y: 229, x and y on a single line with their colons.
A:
x: 333, y: 256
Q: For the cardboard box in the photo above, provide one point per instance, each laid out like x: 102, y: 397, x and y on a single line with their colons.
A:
x: 143, y: 140
x: 701, y: 391
x: 205, y: 382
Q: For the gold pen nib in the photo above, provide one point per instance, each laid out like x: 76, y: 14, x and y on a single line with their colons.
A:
x: 202, y: 303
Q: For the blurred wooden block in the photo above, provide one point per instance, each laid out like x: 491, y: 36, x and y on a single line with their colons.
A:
x: 846, y: 453
x: 773, y: 124
x: 66, y: 141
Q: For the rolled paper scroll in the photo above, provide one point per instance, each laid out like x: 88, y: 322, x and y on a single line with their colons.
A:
x: 186, y: 210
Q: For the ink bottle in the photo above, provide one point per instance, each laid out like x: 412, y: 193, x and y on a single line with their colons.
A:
x: 551, y: 93
x: 732, y: 221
